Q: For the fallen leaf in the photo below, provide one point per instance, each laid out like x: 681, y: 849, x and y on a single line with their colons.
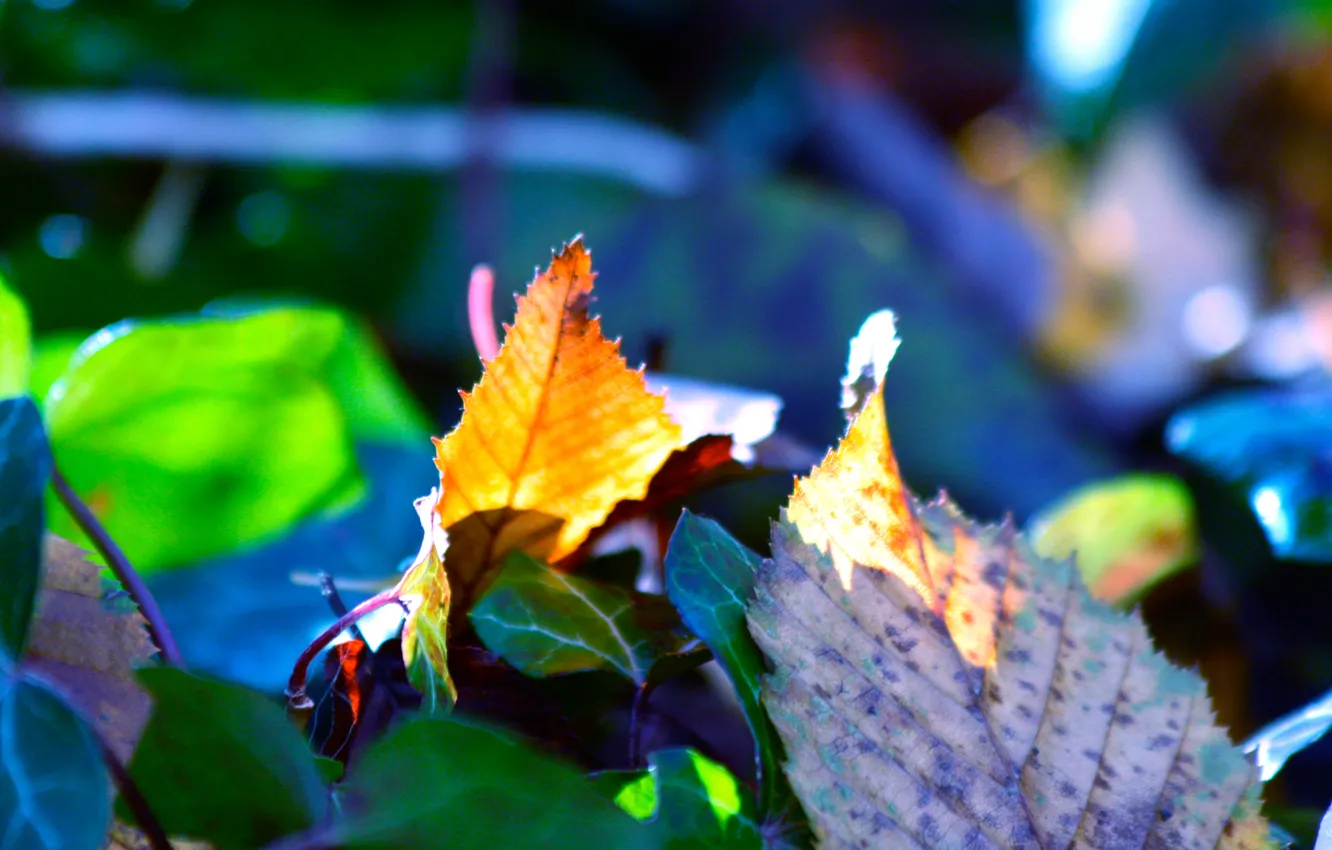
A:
x: 546, y: 623
x: 222, y: 763
x: 88, y: 648
x: 937, y: 684
x: 1128, y: 533
x: 474, y: 788
x: 557, y: 425
x: 425, y: 589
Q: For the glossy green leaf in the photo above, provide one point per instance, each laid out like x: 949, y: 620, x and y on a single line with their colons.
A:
x: 441, y: 783
x: 1128, y: 533
x: 545, y: 623
x: 15, y: 343
x: 1272, y: 448
x: 190, y: 437
x: 223, y: 763
x: 51, y: 356
x: 710, y: 579
x: 690, y: 800
x: 25, y: 466
x: 54, y: 790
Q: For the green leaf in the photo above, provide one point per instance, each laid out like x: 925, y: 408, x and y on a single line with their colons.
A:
x: 378, y: 406
x: 25, y: 466
x: 690, y: 800
x: 1128, y: 533
x: 222, y: 763
x: 441, y: 783
x: 710, y: 579
x: 51, y: 356
x: 54, y: 789
x: 546, y: 623
x: 190, y: 437
x: 425, y: 590
x: 15, y: 343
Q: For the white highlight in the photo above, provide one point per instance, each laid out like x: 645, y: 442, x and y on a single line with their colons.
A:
x: 1216, y: 320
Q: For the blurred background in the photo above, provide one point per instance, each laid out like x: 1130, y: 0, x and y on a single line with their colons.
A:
x: 1104, y: 225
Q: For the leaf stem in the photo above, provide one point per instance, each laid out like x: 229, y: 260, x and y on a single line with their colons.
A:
x: 297, y: 699
x: 481, y: 312
x: 134, y: 799
x: 120, y: 566
x: 635, y: 727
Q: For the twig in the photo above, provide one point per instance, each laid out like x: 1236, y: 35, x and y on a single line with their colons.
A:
x: 330, y: 591
x: 635, y: 728
x: 481, y: 312
x: 297, y: 699
x: 134, y: 799
x: 120, y: 566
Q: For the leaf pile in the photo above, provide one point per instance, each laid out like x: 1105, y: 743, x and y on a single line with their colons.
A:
x: 937, y: 684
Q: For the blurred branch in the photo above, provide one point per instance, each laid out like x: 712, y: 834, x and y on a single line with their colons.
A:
x: 201, y: 130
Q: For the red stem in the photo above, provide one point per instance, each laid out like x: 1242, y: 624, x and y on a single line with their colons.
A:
x: 297, y: 699
x: 481, y: 312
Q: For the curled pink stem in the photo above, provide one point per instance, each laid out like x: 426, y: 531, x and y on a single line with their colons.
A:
x: 481, y: 313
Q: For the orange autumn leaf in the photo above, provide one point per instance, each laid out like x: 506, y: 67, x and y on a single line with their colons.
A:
x: 557, y: 433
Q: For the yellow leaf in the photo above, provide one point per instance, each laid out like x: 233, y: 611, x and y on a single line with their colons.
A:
x: 556, y: 433
x: 936, y: 684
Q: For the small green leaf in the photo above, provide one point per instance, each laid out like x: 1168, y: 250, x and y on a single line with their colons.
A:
x: 222, y: 763
x: 710, y: 579
x: 54, y: 790
x: 192, y: 436
x: 689, y: 800
x: 441, y: 783
x: 1128, y: 533
x: 546, y: 623
x: 425, y: 632
x: 330, y: 770
x: 15, y: 343
x: 25, y: 466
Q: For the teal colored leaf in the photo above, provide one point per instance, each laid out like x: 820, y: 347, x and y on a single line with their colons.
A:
x: 690, y: 800
x: 441, y: 783
x: 190, y: 437
x: 1128, y: 533
x: 222, y: 763
x: 15, y: 343
x: 546, y: 623
x: 1271, y: 448
x: 25, y: 466
x: 54, y: 790
x: 710, y: 579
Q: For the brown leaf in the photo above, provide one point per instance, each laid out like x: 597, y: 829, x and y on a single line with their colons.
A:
x: 558, y: 424
x: 936, y: 684
x: 87, y: 649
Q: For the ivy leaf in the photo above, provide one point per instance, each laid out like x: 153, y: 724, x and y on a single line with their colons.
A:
x: 222, y: 763
x: 441, y: 783
x: 936, y: 683
x: 15, y: 343
x: 83, y: 644
x: 25, y: 466
x: 54, y: 789
x: 1128, y: 533
x: 710, y: 580
x: 546, y: 623
x: 689, y: 799
x: 557, y: 432
x: 192, y: 436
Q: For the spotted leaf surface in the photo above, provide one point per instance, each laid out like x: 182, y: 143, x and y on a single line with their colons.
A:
x: 936, y: 684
